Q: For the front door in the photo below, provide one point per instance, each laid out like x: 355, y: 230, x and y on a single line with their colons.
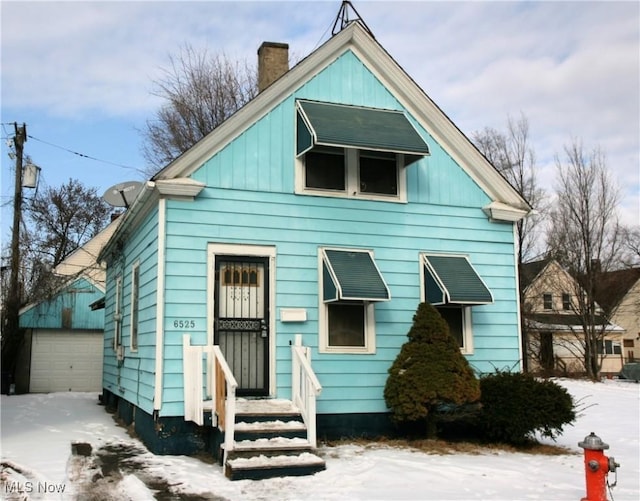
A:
x: 241, y: 323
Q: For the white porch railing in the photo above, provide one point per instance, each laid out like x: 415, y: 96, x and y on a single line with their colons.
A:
x: 220, y: 386
x: 305, y: 386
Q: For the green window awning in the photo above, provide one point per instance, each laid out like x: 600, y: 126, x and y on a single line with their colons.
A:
x: 351, y: 275
x: 453, y: 280
x: 338, y: 125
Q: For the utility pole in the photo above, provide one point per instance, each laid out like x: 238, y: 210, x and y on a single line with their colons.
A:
x: 11, y: 342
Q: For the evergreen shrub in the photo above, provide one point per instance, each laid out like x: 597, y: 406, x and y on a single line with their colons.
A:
x: 429, y: 372
x: 515, y: 406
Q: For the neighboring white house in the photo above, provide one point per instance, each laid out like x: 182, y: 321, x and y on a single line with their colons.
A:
x: 554, y: 325
x: 619, y: 296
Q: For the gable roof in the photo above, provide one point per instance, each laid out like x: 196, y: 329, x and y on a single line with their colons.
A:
x: 356, y: 38
x: 530, y: 271
x: 613, y: 286
x: 84, y: 260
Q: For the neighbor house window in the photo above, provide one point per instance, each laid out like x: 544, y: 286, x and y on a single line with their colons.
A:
x: 349, y: 286
x: 135, y: 300
x: 67, y: 316
x: 547, y: 301
x: 566, y: 301
x: 610, y: 347
x: 117, y: 315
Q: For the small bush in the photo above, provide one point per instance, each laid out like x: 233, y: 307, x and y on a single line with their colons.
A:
x: 515, y: 406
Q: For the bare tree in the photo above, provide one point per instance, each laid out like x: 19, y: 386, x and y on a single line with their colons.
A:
x: 59, y: 220
x: 200, y: 91
x: 631, y: 246
x: 585, y: 237
x: 55, y: 223
x: 512, y: 154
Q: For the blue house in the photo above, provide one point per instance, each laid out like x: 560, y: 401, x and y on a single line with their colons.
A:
x: 275, y: 267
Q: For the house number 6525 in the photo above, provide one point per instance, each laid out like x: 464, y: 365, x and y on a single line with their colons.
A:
x: 184, y: 324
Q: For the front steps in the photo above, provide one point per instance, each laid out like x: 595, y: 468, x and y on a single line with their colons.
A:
x: 270, y: 440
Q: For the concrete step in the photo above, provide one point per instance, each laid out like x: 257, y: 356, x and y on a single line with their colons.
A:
x: 261, y: 466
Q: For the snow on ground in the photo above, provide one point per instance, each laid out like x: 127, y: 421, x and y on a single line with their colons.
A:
x: 37, y: 432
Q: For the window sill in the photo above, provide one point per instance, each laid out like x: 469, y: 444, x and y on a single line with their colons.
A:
x: 346, y: 350
x: 359, y: 196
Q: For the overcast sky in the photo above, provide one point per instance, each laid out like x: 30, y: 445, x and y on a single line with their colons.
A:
x: 80, y: 74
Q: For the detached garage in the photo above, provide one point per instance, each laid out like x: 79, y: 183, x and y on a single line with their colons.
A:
x: 63, y: 361
x: 64, y: 340
x: 63, y: 330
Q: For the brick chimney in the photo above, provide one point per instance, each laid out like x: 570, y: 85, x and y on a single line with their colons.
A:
x: 273, y: 62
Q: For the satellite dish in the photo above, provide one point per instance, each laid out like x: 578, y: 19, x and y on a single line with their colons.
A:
x: 122, y: 194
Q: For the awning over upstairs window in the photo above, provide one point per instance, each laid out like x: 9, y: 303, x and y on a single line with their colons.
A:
x: 338, y: 125
x: 453, y: 280
x: 352, y: 275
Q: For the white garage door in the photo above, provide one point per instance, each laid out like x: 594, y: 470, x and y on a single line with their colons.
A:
x: 61, y: 361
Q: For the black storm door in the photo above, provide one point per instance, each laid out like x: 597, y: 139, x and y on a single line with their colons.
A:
x: 241, y: 323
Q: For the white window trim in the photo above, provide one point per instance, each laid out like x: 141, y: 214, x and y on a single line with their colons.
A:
x: 135, y: 298
x: 323, y: 319
x: 352, y: 182
x: 117, y: 315
x: 467, y: 320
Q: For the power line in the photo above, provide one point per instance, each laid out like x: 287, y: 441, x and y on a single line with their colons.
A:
x: 83, y: 155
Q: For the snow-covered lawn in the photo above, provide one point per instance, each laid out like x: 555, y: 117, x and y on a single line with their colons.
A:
x: 37, y: 432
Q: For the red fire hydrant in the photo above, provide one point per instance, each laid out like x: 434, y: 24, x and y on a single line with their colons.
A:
x: 597, y: 466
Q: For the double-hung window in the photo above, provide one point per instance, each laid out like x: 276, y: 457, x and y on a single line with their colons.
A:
x: 360, y: 173
x: 610, y: 347
x: 351, y: 151
x: 451, y: 284
x: 135, y: 300
x: 117, y: 315
x: 350, y: 285
x: 547, y: 301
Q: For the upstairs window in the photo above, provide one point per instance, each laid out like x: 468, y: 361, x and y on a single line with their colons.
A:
x: 352, y: 151
x: 547, y: 301
x: 566, y: 301
x: 325, y: 169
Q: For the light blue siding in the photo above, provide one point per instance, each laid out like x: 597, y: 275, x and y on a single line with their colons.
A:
x: 133, y: 377
x: 74, y: 297
x: 249, y: 199
x: 297, y: 226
